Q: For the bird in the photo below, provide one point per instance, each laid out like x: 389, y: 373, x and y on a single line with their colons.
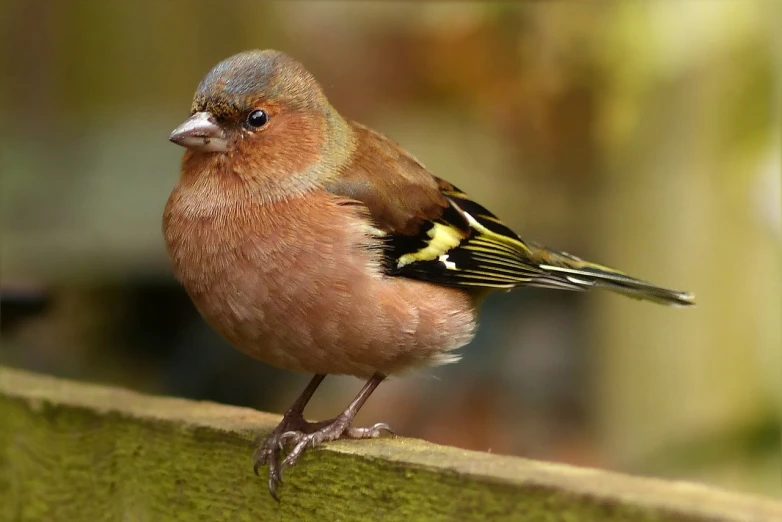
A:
x: 316, y: 244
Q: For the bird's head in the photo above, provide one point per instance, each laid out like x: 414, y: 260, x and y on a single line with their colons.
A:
x: 263, y: 112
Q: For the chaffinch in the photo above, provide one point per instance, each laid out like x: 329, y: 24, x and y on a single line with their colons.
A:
x: 316, y: 244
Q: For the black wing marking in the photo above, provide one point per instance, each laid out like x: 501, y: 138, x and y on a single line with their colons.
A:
x: 467, y: 246
x: 470, y: 247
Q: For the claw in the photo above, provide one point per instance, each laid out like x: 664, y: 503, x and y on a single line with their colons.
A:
x: 371, y: 432
x: 385, y: 427
x: 273, y: 489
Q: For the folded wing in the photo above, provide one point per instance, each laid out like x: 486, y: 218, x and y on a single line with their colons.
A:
x: 434, y: 232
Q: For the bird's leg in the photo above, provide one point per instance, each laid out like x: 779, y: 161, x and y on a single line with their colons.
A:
x: 338, y: 427
x: 269, y: 451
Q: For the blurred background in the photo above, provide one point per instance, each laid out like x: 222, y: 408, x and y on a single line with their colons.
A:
x: 644, y: 135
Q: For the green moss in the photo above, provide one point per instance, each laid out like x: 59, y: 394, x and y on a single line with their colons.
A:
x: 75, y: 452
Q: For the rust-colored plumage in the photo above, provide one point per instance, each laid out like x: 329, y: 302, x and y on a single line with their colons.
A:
x: 399, y: 193
x: 298, y: 283
x: 316, y: 244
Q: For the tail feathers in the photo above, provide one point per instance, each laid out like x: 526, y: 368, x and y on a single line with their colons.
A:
x: 583, y: 275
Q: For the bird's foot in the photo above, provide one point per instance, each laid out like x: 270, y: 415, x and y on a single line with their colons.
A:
x: 295, y: 431
x: 337, y: 428
x: 269, y: 451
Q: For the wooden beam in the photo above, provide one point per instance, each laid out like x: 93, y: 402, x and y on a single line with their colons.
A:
x: 73, y: 451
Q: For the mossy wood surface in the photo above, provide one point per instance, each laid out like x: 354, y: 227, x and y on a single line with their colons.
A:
x: 76, y: 452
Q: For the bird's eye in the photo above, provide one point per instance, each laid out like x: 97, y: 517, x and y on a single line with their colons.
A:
x: 257, y: 119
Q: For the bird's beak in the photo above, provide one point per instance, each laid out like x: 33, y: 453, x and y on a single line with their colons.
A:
x: 201, y: 133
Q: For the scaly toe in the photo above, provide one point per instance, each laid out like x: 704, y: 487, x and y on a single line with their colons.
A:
x: 260, y: 458
x: 291, y: 438
x: 296, y: 453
